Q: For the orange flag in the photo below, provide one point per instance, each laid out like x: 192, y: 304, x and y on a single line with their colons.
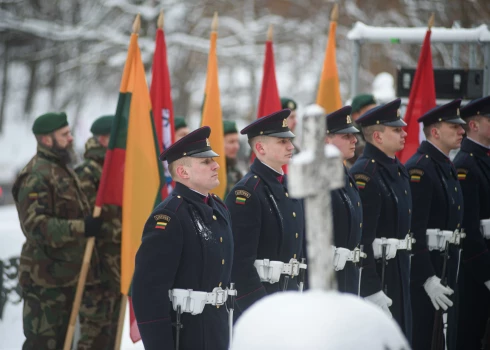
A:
x: 328, y: 95
x: 212, y: 115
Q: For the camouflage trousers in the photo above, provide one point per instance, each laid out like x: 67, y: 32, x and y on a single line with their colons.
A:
x: 99, y: 312
x: 45, y: 317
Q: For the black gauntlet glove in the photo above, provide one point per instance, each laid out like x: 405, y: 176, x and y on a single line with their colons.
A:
x: 92, y: 226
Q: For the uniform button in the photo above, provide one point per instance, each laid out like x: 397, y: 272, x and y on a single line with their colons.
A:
x: 214, y: 217
x: 221, y: 239
x: 351, y: 184
x: 426, y: 156
x: 409, y: 211
x: 358, y: 204
x: 297, y: 235
x: 471, y: 154
x: 255, y: 176
x: 179, y: 197
x: 399, y: 174
x: 406, y: 193
x: 294, y: 214
x: 223, y: 262
x: 372, y: 161
x: 294, y: 256
x: 217, y: 306
x: 360, y: 225
x: 456, y: 189
x: 459, y: 225
x: 219, y: 285
x: 459, y: 207
x: 287, y: 194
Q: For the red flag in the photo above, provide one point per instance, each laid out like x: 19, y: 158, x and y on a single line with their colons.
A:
x: 422, y: 98
x: 269, y: 101
x: 161, y: 101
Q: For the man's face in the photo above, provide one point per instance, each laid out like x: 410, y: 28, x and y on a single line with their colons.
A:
x: 180, y: 133
x: 277, y: 151
x: 393, y: 139
x: 203, y: 174
x: 61, y: 143
x: 346, y: 143
x: 450, y: 135
x: 104, y: 140
x: 483, y: 126
x: 292, y: 121
x: 232, y: 145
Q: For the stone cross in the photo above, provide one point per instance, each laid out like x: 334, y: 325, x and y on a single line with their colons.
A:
x: 313, y: 174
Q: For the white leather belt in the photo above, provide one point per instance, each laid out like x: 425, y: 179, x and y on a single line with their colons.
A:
x: 485, y: 228
x: 342, y: 255
x: 436, y: 239
x: 392, y: 245
x: 271, y: 271
x: 193, y: 302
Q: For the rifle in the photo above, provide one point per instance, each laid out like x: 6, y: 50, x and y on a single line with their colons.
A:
x: 302, y: 276
x: 438, y: 329
x: 178, y: 327
x: 485, y: 341
x: 383, y: 266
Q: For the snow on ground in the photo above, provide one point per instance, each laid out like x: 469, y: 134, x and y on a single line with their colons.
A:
x: 11, y: 334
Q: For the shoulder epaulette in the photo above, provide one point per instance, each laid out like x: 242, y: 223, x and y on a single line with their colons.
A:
x: 368, y: 166
x: 173, y: 203
x: 251, y: 182
x: 423, y: 159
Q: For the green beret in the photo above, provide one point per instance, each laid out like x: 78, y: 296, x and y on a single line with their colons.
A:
x: 49, y: 122
x: 102, y: 125
x: 229, y: 127
x: 286, y: 102
x: 179, y: 123
x: 361, y: 101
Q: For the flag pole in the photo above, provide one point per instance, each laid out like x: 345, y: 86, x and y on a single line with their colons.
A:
x: 89, y: 247
x: 334, y: 15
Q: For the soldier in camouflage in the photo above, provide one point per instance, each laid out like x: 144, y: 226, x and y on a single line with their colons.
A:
x: 55, y: 218
x: 101, y: 303
x: 232, y: 146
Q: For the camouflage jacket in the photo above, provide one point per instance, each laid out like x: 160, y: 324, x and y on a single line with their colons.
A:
x: 233, y: 175
x: 51, y: 207
x: 108, y: 244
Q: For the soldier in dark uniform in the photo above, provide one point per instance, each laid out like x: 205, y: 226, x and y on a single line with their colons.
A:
x: 437, y: 204
x: 232, y: 146
x: 360, y: 105
x: 346, y: 202
x: 473, y: 168
x: 55, y: 217
x: 187, y: 244
x: 268, y: 225
x: 386, y: 202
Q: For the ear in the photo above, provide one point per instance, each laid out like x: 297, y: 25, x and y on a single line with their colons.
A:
x: 47, y: 140
x: 259, y: 148
x: 327, y: 140
x: 181, y: 172
x: 378, y: 137
x: 435, y: 133
x: 473, y: 125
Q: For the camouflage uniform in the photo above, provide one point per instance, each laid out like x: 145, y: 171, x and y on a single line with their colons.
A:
x: 99, y: 312
x: 233, y: 174
x: 51, y: 208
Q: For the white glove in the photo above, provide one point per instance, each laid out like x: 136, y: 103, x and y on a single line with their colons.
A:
x: 391, y: 247
x: 381, y: 300
x: 438, y: 293
x: 340, y: 258
x: 487, y: 284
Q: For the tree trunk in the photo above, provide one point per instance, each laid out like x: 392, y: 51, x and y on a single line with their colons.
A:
x: 31, y: 90
x: 4, y: 84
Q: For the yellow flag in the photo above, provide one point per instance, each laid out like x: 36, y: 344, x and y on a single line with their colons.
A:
x: 212, y: 115
x: 328, y: 95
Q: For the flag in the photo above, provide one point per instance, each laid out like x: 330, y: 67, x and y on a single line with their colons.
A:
x: 422, y: 98
x: 269, y: 101
x: 161, y: 101
x: 132, y: 173
x: 328, y: 96
x: 212, y: 115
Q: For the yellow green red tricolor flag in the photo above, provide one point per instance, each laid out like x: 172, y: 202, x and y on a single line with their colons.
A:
x: 328, y: 95
x: 212, y: 115
x: 132, y: 174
